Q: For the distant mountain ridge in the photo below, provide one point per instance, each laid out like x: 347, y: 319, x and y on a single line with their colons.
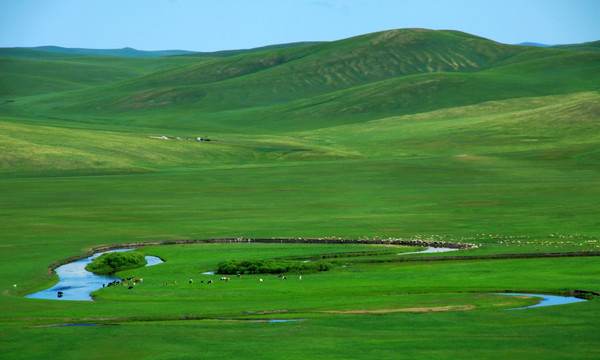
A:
x: 592, y: 46
x: 50, y: 52
x: 124, y: 52
x: 533, y: 44
x: 58, y: 51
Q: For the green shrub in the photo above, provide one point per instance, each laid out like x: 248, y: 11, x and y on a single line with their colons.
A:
x: 270, y: 267
x: 116, y: 261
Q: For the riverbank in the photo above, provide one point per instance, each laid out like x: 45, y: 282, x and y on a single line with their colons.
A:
x: 139, y: 244
x: 77, y: 283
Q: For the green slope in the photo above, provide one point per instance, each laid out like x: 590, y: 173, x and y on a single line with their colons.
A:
x: 279, y: 75
x: 94, y: 114
x: 593, y: 46
x: 422, y: 93
x: 500, y: 128
x: 211, y: 106
x: 39, y: 75
x: 228, y: 53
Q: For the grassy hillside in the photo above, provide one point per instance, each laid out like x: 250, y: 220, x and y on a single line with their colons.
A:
x: 593, y: 46
x: 354, y: 80
x: 228, y: 53
x: 280, y: 75
x: 404, y: 99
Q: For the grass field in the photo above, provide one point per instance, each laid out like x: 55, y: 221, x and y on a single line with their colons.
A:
x: 402, y: 134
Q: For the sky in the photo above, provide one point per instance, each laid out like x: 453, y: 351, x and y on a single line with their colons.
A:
x: 211, y: 25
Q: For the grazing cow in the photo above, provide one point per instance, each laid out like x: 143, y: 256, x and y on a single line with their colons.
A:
x: 165, y: 283
x: 300, y: 277
x: 283, y: 278
x: 239, y: 275
x: 209, y: 282
x: 260, y: 280
x: 131, y: 287
x: 175, y: 282
x: 191, y: 281
x: 137, y: 281
x: 14, y: 285
x: 201, y: 281
x: 225, y: 278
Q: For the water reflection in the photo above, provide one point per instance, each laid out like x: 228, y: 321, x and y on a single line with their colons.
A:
x: 429, y: 250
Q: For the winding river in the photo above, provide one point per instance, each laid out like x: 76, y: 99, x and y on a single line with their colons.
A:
x: 76, y: 283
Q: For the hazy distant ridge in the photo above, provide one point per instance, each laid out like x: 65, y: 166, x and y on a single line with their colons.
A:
x: 593, y: 46
x: 57, y: 51
x: 124, y: 52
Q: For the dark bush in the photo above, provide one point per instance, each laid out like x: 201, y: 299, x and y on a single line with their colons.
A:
x: 270, y: 267
x: 116, y: 261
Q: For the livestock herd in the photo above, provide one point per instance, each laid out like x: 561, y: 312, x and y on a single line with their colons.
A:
x: 126, y: 282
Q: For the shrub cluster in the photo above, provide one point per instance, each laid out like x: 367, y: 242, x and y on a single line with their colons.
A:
x: 270, y: 267
x: 116, y: 261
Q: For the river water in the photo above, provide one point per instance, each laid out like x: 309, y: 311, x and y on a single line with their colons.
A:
x: 429, y: 250
x: 76, y: 283
x: 547, y: 300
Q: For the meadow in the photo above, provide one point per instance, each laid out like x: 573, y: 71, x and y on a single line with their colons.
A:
x: 407, y: 134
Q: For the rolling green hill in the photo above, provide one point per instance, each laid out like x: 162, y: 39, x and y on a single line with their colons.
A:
x: 282, y: 75
x: 284, y: 89
x: 375, y: 75
x: 228, y: 53
x: 593, y: 46
x: 41, y: 75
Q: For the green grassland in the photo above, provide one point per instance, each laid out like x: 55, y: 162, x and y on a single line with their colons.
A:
x: 401, y: 134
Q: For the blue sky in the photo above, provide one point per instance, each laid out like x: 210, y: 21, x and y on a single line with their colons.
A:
x: 209, y: 25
